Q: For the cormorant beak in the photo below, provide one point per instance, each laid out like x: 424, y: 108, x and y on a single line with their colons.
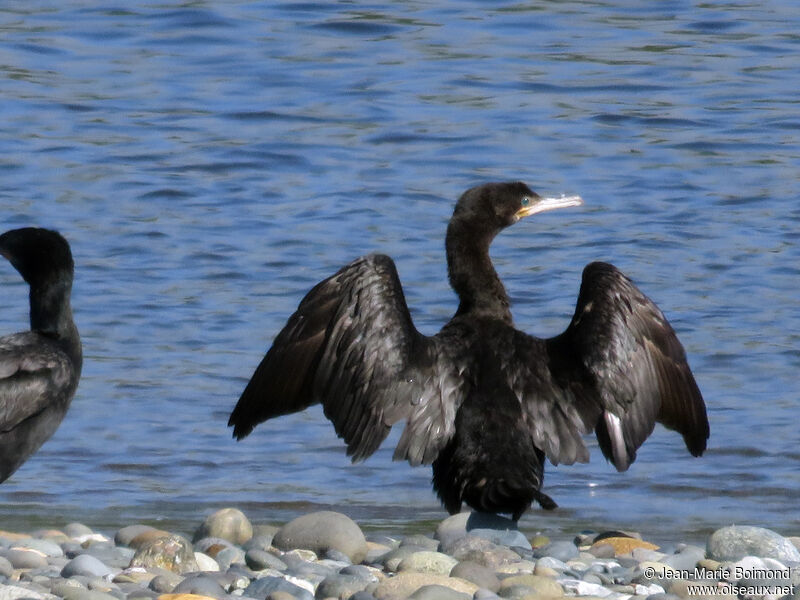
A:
x: 540, y: 205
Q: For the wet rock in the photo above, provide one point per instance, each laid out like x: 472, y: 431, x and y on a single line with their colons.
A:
x: 173, y: 553
x: 229, y: 524
x: 735, y: 542
x: 321, y: 531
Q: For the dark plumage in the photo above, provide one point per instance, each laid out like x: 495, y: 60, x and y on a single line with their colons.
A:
x: 482, y: 401
x: 40, y: 368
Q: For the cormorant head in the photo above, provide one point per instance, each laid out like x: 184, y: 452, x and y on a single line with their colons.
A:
x: 498, y: 205
x: 40, y: 255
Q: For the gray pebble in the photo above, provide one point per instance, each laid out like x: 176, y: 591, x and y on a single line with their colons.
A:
x: 202, y: 585
x: 258, y: 560
x: 258, y: 542
x: 427, y: 561
x: 6, y: 568
x: 16, y: 592
x: 76, y: 530
x: 438, y: 592
x: 420, y: 541
x: 552, y: 563
x: 686, y: 558
x: 337, y: 556
x: 481, y: 576
x: 85, y: 564
x: 173, y: 553
x: 510, y: 538
x: 261, y: 588
x: 163, y: 584
x: 25, y: 559
x: 229, y: 556
x: 229, y: 524
x: 562, y: 551
x: 359, y: 571
x: 125, y: 535
x: 206, y: 543
x: 735, y: 542
x: 364, y: 595
x: 84, y: 594
x: 320, y: 531
x: 482, y: 551
x: 47, y: 547
x: 340, y: 586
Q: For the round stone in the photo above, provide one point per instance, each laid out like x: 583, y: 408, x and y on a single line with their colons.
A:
x: 229, y: 524
x: 438, y: 592
x: 259, y: 560
x: 173, y: 553
x: 405, y: 584
x: 560, y: 550
x: 478, y: 574
x: 87, y: 565
x: 320, y: 531
x: 21, y: 558
x: 76, y: 530
x: 205, y: 562
x: 428, y: 562
x: 267, y: 587
x: 737, y: 541
x: 124, y: 536
x: 46, y: 547
x: 340, y: 586
x: 542, y: 586
x: 201, y: 585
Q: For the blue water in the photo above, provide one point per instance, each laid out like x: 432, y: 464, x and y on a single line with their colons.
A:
x: 210, y: 162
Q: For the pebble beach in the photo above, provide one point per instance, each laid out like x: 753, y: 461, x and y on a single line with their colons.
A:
x: 322, y: 555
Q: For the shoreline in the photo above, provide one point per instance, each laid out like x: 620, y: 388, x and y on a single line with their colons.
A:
x: 325, y: 554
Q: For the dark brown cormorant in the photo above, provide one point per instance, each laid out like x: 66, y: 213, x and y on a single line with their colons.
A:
x: 40, y: 368
x: 482, y: 401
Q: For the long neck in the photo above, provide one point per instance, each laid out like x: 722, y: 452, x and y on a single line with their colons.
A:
x: 51, y: 315
x: 472, y: 274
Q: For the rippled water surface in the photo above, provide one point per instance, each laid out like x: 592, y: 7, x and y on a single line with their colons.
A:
x: 210, y: 162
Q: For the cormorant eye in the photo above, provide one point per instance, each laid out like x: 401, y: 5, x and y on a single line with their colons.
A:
x: 526, y: 201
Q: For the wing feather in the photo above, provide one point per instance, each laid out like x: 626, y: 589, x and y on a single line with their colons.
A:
x: 352, y: 346
x: 635, y: 367
x: 32, y: 369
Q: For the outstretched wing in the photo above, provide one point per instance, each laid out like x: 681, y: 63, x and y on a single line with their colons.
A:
x: 618, y: 369
x: 352, y: 346
x: 32, y: 371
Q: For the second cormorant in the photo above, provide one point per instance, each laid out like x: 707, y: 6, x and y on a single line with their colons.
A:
x: 40, y: 368
x: 482, y: 401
